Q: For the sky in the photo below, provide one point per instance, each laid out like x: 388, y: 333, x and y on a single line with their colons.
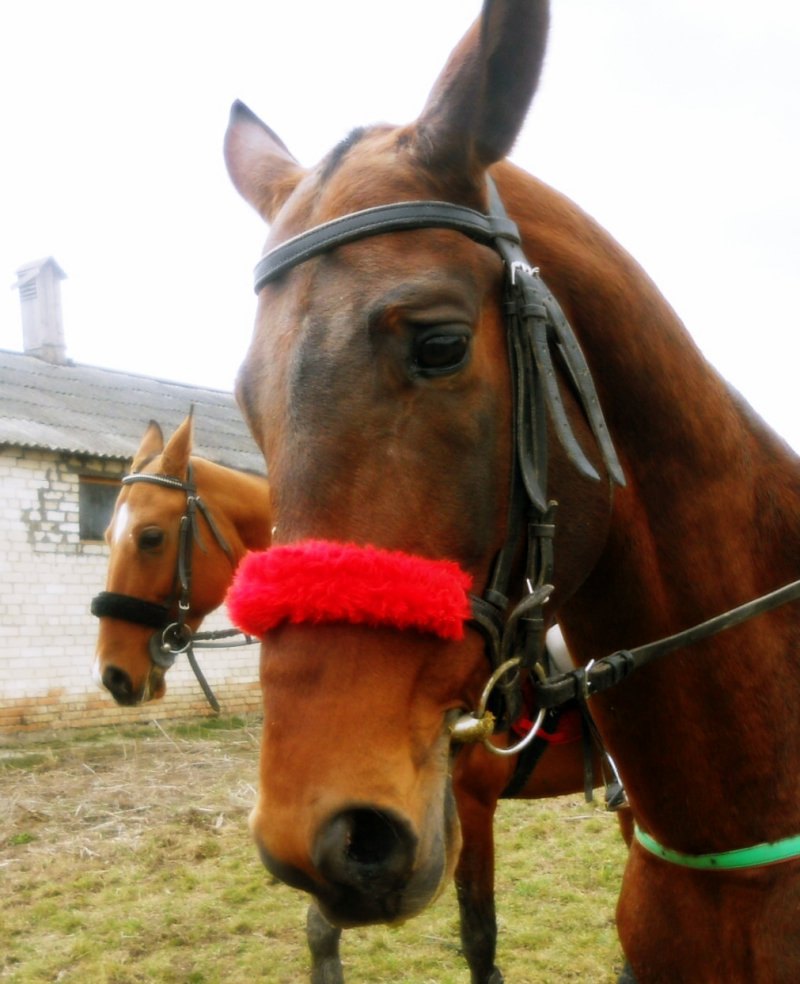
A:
x: 676, y: 125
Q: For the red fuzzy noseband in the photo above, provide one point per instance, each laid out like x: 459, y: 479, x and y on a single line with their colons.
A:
x: 322, y: 581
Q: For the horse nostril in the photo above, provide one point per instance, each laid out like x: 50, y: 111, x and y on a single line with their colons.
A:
x: 366, y: 849
x: 373, y: 838
x: 119, y: 684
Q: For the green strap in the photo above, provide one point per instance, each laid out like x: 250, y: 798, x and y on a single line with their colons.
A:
x: 744, y: 857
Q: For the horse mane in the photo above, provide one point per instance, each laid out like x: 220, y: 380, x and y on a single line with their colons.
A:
x: 251, y: 472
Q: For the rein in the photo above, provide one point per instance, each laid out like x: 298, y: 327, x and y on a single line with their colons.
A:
x: 174, y: 636
x: 601, y: 674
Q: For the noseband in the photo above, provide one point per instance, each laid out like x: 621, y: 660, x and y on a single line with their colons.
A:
x: 173, y: 635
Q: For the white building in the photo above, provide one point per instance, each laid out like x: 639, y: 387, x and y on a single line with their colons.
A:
x: 67, y: 435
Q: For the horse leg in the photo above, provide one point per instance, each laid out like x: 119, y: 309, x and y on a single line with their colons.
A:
x: 626, y: 977
x: 474, y: 878
x: 323, y: 942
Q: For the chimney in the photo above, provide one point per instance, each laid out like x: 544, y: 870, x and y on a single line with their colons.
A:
x: 39, y: 285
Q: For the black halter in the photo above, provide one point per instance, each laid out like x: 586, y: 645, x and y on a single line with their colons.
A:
x: 536, y: 328
x: 173, y: 635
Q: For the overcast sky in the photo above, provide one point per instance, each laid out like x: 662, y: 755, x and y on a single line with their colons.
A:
x: 677, y: 125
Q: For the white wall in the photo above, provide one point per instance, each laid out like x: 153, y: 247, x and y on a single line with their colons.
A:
x: 47, y: 634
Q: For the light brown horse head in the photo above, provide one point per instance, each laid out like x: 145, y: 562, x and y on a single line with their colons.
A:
x: 377, y: 385
x: 144, y: 538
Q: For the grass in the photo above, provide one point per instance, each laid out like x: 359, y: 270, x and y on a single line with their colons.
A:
x: 125, y: 858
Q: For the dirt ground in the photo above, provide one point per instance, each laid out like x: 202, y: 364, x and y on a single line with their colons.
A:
x: 125, y: 859
x: 114, y: 834
x: 86, y: 793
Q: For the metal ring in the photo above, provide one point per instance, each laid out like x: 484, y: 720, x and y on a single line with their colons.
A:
x: 179, y: 633
x: 480, y: 714
x: 523, y: 742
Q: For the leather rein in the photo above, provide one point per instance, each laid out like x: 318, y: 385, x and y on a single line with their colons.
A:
x: 174, y: 636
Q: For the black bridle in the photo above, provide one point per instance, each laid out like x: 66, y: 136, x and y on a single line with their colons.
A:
x: 536, y: 330
x: 174, y: 636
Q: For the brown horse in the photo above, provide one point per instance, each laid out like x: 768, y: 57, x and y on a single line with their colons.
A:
x: 144, y: 542
x: 154, y: 536
x: 384, y: 380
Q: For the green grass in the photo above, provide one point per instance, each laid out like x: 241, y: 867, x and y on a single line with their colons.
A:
x: 125, y: 858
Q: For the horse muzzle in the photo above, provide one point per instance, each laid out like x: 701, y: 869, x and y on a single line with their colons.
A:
x: 119, y: 683
x: 367, y: 868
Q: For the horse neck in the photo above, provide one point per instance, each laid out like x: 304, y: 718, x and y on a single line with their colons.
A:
x: 709, y: 519
x: 700, y: 466
x: 239, y: 504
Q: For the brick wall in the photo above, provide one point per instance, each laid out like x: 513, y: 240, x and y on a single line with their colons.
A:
x: 47, y: 634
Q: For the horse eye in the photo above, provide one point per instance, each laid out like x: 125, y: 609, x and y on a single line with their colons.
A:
x: 151, y: 538
x: 440, y: 354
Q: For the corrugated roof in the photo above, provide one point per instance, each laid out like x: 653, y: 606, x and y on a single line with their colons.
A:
x: 102, y: 412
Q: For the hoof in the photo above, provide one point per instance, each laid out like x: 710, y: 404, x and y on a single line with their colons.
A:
x: 328, y: 972
x: 323, y: 942
x: 495, y: 977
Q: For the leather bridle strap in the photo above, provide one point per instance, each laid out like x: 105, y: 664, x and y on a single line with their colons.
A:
x: 127, y: 608
x: 535, y: 323
x: 173, y: 635
x: 193, y: 502
x: 604, y: 673
x: 485, y: 229
x: 547, y: 328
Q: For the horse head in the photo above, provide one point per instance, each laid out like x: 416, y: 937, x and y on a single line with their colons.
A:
x: 378, y: 387
x: 179, y: 528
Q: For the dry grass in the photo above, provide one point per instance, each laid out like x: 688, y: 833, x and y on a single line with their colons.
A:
x: 125, y: 857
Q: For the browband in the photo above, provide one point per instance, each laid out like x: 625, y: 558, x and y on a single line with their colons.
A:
x: 485, y: 229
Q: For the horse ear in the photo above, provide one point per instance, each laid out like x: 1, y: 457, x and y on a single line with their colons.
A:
x: 261, y: 168
x: 175, y: 457
x: 152, y: 443
x: 479, y: 102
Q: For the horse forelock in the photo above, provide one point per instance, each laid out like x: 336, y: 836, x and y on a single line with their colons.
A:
x: 148, y: 460
x: 335, y: 157
x: 377, y: 165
